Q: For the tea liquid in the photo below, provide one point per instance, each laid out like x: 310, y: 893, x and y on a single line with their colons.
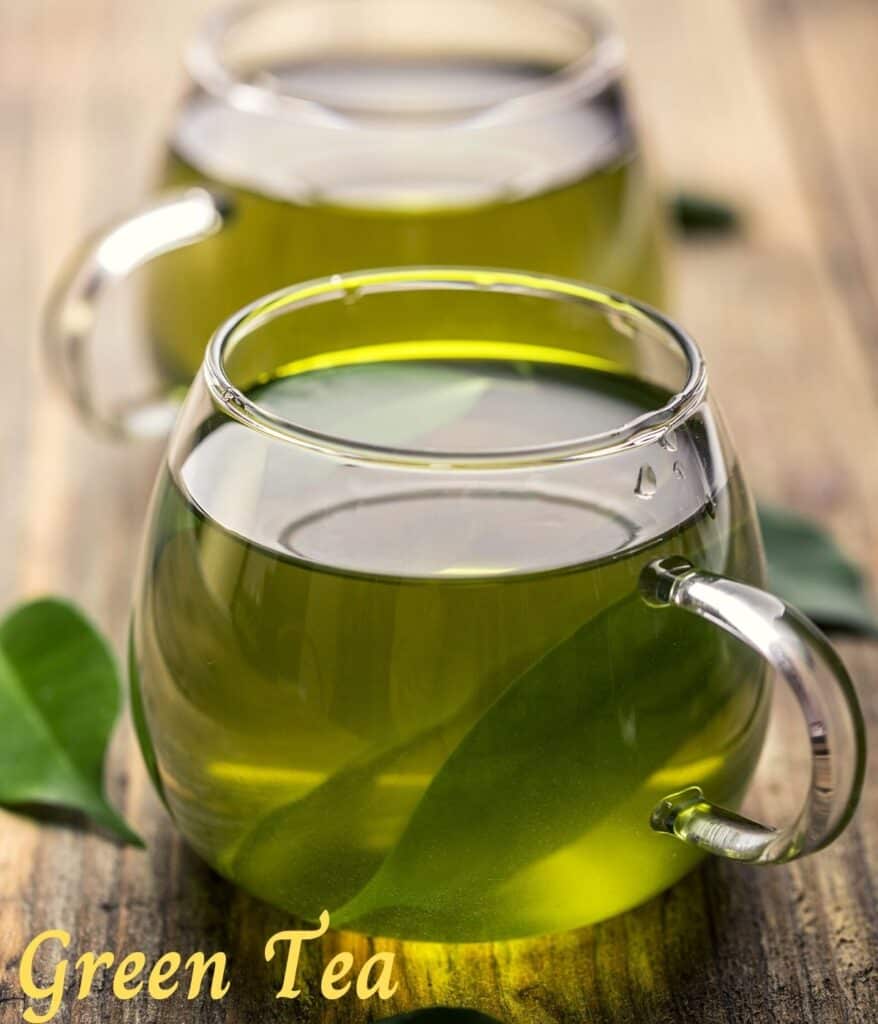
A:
x: 561, y: 193
x: 439, y: 710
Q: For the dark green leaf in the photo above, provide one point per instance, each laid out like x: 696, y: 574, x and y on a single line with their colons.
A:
x: 441, y: 1015
x: 701, y: 215
x: 807, y: 568
x: 59, y: 698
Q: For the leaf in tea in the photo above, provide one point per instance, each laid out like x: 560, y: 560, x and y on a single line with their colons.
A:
x: 503, y: 808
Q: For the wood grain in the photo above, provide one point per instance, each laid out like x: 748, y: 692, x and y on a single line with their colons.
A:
x: 767, y: 102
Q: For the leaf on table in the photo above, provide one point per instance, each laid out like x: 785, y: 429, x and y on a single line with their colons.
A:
x: 807, y: 568
x: 702, y: 215
x: 441, y: 1015
x: 59, y: 699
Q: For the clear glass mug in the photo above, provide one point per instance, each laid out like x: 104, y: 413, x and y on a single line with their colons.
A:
x: 327, y: 135
x: 450, y: 619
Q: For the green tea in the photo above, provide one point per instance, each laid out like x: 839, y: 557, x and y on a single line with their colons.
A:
x: 438, y: 710
x: 561, y: 193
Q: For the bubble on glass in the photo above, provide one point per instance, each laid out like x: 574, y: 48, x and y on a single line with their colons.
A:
x: 231, y: 396
x: 646, y: 483
x: 628, y: 727
x: 679, y: 472
x: 622, y: 324
x: 669, y: 441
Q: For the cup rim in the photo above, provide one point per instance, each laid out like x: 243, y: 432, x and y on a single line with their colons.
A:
x: 574, y: 81
x: 647, y: 428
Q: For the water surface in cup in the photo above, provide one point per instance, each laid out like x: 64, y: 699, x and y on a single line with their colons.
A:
x: 438, y: 709
x: 559, y: 190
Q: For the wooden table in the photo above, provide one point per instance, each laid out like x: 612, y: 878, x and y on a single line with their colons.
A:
x: 767, y: 102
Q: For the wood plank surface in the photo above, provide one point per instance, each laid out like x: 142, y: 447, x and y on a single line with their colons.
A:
x: 767, y: 102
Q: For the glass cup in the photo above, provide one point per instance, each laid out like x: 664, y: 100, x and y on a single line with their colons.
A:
x: 450, y: 619
x: 327, y: 135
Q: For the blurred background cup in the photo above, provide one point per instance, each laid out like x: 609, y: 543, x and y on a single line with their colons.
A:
x: 323, y: 136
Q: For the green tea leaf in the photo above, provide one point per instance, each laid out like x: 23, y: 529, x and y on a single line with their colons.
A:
x: 441, y: 1015
x: 297, y: 848
x: 59, y: 698
x: 807, y: 568
x: 701, y: 215
x: 530, y: 777
x: 418, y: 400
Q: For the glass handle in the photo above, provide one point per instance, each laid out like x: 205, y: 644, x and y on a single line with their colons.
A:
x: 174, y: 220
x: 803, y: 657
